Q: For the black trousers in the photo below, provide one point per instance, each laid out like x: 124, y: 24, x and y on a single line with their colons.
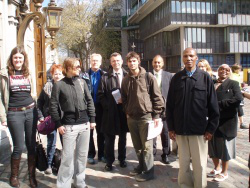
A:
x: 110, y: 147
x: 100, y: 136
x: 164, y: 140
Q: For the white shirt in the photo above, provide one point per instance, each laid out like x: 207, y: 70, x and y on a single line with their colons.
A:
x: 120, y: 75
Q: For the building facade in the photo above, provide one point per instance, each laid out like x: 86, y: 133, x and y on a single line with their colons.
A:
x: 219, y: 30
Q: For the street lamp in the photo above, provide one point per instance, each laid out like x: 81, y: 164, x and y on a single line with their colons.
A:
x: 53, y: 18
x: 133, y: 46
x: 52, y: 15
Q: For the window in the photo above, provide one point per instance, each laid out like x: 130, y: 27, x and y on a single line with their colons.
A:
x: 173, y: 9
x: 245, y: 60
x: 178, y: 7
x: 198, y: 7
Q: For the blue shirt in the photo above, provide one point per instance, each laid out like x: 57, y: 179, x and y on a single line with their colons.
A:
x: 190, y: 73
x: 95, y: 79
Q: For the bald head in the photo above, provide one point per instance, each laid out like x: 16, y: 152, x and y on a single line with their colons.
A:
x: 189, y: 59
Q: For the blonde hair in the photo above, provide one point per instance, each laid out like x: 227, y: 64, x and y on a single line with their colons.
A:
x: 208, y: 68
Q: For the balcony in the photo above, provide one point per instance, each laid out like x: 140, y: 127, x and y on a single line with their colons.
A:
x: 141, y: 10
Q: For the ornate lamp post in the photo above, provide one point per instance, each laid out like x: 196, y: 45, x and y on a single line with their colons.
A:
x: 133, y: 46
x: 52, y: 15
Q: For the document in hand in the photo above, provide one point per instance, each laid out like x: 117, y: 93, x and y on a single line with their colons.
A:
x: 154, y: 131
x: 117, y: 95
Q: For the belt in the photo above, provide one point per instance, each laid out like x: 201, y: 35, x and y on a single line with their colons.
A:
x: 22, y: 108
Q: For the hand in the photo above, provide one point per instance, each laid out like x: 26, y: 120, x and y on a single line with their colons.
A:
x: 157, y: 122
x: 41, y: 120
x: 172, y: 135
x: 92, y: 125
x: 208, y: 136
x: 4, y: 124
x: 120, y: 101
x: 62, y: 130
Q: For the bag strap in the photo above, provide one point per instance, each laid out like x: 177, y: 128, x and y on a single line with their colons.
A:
x: 147, y: 82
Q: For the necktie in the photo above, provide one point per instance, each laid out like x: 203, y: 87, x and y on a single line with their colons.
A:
x: 118, y: 79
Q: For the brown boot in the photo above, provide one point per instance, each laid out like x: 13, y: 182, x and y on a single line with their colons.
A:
x: 32, y: 170
x: 14, y: 172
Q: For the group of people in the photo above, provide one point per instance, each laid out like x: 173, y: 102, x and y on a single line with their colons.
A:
x: 197, y: 110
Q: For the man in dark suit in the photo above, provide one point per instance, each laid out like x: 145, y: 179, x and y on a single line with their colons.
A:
x: 114, y: 121
x: 163, y: 80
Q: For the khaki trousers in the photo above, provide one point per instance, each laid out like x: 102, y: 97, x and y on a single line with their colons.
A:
x: 195, y: 148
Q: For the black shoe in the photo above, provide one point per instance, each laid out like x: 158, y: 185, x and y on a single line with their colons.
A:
x: 135, y: 172
x: 108, y: 167
x: 144, y: 177
x: 165, y: 160
x: 123, y: 164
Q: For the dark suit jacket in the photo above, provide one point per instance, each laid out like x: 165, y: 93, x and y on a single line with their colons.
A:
x: 229, y: 97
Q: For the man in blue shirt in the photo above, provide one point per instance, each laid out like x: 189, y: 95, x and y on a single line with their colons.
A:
x: 93, y: 79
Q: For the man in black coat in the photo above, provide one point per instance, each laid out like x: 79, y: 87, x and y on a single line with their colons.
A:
x: 192, y: 118
x: 114, y: 121
x: 163, y: 80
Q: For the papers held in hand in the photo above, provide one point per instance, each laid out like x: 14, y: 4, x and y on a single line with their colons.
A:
x: 117, y: 95
x: 154, y: 131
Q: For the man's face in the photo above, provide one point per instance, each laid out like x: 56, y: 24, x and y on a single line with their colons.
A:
x: 157, y: 64
x: 133, y: 64
x: 189, y: 59
x: 95, y: 63
x: 116, y: 62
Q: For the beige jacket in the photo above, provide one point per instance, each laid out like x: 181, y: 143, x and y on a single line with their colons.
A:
x: 4, y: 93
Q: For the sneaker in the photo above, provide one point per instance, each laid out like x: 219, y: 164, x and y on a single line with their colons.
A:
x: 108, y: 167
x: 102, y: 159
x: 144, y: 177
x: 91, y: 161
x: 243, y: 126
x: 123, y: 164
x: 48, y: 171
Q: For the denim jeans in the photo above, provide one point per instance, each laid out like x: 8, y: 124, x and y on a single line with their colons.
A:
x: 51, y: 146
x: 74, y: 156
x: 21, y: 122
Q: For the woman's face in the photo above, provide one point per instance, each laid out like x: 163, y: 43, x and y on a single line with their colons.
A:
x: 18, y: 60
x: 58, y: 75
x: 237, y: 71
x: 224, y: 72
x: 75, y: 71
x: 202, y: 66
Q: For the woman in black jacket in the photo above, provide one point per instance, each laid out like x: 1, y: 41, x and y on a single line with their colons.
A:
x: 43, y: 105
x: 73, y: 96
x: 222, y: 145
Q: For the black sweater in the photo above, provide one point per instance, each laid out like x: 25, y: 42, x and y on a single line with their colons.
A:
x: 78, y: 106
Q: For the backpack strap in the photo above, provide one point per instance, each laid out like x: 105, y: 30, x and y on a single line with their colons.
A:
x: 147, y: 82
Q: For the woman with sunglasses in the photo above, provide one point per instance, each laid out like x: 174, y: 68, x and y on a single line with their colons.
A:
x: 73, y: 96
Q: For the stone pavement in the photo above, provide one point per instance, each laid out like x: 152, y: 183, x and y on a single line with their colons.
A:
x: 166, y: 175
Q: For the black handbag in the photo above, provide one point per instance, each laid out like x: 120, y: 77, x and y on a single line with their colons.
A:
x: 41, y: 157
x: 56, y: 161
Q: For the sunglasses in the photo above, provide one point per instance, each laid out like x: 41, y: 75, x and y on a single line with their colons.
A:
x: 77, y: 67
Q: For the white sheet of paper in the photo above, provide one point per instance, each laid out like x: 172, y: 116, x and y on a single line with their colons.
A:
x: 154, y: 131
x: 117, y: 95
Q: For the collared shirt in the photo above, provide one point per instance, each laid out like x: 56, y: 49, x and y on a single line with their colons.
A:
x: 95, y: 79
x: 158, y: 76
x: 120, y: 75
x: 190, y: 73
